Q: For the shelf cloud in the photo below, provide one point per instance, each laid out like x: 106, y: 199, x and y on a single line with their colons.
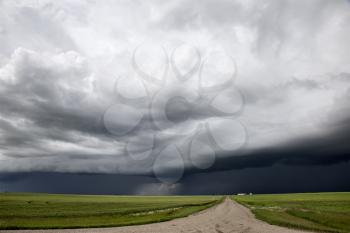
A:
x: 107, y: 87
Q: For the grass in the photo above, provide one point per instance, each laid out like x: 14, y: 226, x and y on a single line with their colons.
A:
x: 324, y: 212
x: 43, y: 211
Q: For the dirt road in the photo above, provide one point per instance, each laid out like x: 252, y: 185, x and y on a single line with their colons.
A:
x: 227, y: 217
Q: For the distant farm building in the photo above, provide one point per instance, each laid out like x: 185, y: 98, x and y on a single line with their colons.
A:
x: 243, y: 194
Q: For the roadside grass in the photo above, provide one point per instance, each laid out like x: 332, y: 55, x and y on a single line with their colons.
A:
x: 43, y: 211
x: 324, y: 212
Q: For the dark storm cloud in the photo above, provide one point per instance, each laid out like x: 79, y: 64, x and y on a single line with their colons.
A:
x: 39, y: 97
x: 274, y: 179
x: 59, y: 62
x: 325, y: 150
x: 330, y: 149
x: 71, y: 183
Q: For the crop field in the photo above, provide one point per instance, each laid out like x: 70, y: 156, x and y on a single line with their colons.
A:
x: 324, y: 212
x: 41, y: 211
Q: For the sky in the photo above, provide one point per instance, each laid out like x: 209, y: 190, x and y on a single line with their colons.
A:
x: 174, y: 97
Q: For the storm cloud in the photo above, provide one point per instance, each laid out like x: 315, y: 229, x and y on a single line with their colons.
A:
x: 140, y: 88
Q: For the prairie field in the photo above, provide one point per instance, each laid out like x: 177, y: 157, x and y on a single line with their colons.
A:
x: 324, y: 212
x: 43, y: 211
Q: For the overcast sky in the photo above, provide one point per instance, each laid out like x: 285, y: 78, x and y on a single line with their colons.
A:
x: 170, y: 91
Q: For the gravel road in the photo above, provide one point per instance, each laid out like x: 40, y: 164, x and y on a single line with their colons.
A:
x: 227, y: 217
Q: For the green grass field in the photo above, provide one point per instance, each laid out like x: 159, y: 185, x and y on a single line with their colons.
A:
x: 324, y: 212
x: 40, y: 211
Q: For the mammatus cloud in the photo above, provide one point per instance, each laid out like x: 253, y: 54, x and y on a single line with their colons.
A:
x: 59, y: 62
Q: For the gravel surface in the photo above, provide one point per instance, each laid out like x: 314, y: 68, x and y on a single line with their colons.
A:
x: 227, y: 217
